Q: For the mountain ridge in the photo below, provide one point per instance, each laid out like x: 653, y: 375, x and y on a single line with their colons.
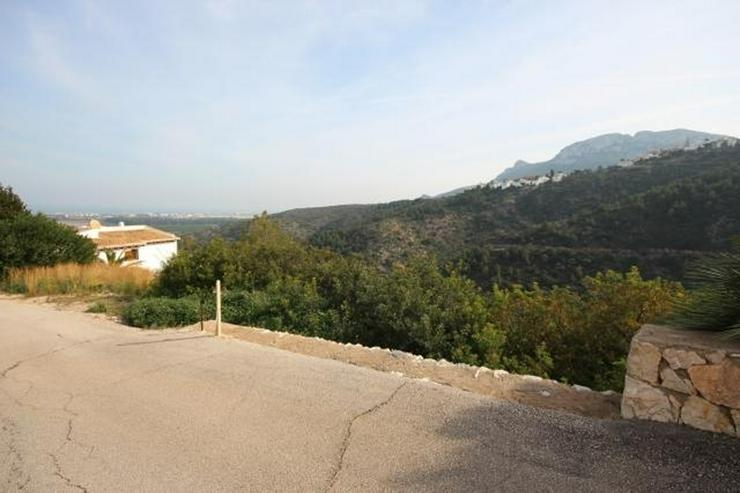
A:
x: 610, y: 149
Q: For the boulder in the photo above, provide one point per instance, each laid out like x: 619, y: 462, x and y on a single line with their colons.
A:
x: 702, y: 414
x: 719, y: 384
x: 716, y: 357
x: 671, y: 380
x: 643, y: 401
x: 643, y: 361
x: 679, y: 358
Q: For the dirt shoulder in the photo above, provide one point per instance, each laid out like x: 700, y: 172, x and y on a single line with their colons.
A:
x: 112, y: 303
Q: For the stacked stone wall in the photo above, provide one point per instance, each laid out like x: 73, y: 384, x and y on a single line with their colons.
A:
x: 686, y: 377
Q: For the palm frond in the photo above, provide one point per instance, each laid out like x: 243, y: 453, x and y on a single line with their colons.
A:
x: 714, y: 302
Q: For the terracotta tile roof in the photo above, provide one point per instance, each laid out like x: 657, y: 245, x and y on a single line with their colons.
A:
x: 132, y: 238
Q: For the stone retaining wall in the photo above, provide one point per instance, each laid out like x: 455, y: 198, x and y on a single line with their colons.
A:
x: 688, y: 377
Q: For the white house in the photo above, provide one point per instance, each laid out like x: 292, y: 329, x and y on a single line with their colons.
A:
x: 142, y: 246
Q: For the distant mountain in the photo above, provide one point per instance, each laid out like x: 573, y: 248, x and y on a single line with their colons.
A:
x: 610, y: 150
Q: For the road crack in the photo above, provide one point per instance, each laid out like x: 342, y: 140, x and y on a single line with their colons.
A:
x: 10, y: 368
x: 15, y: 472
x: 60, y: 474
x: 15, y: 365
x: 348, y: 434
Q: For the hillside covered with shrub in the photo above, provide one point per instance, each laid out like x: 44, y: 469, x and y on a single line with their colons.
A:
x: 659, y: 214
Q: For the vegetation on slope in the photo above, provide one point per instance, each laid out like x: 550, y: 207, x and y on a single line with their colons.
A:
x: 660, y: 214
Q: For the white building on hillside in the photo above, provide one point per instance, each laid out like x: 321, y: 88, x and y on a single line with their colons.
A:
x: 141, y: 246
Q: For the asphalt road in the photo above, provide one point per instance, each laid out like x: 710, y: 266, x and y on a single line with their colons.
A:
x: 86, y: 404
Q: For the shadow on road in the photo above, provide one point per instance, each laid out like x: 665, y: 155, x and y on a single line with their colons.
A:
x: 171, y: 339
x: 507, y: 447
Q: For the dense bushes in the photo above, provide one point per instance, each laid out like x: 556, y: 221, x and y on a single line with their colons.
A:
x: 276, y: 282
x: 414, y: 308
x: 560, y: 266
x: 579, y: 335
x: 288, y: 304
x: 161, y: 312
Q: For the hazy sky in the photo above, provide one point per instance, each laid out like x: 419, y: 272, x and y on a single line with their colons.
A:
x: 252, y: 105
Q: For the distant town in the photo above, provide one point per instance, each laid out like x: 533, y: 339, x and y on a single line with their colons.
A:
x: 179, y: 223
x: 86, y: 216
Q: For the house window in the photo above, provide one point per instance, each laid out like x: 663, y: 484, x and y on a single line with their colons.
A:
x: 132, y: 254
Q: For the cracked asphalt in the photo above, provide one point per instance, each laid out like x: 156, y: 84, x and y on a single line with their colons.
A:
x: 89, y: 405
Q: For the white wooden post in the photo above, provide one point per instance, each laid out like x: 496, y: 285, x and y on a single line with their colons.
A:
x: 218, y: 308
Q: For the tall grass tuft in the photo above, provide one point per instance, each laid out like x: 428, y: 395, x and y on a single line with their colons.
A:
x: 714, y: 303
x: 78, y: 279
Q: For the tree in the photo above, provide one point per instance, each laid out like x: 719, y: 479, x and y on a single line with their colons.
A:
x: 35, y: 240
x: 11, y: 204
x: 28, y: 240
x: 194, y: 272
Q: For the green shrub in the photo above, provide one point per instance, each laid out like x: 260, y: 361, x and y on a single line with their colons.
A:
x: 579, y: 336
x: 97, y: 307
x: 288, y: 304
x: 161, y: 312
x: 414, y: 308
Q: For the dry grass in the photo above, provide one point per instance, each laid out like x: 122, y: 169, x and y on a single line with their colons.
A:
x: 79, y: 279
